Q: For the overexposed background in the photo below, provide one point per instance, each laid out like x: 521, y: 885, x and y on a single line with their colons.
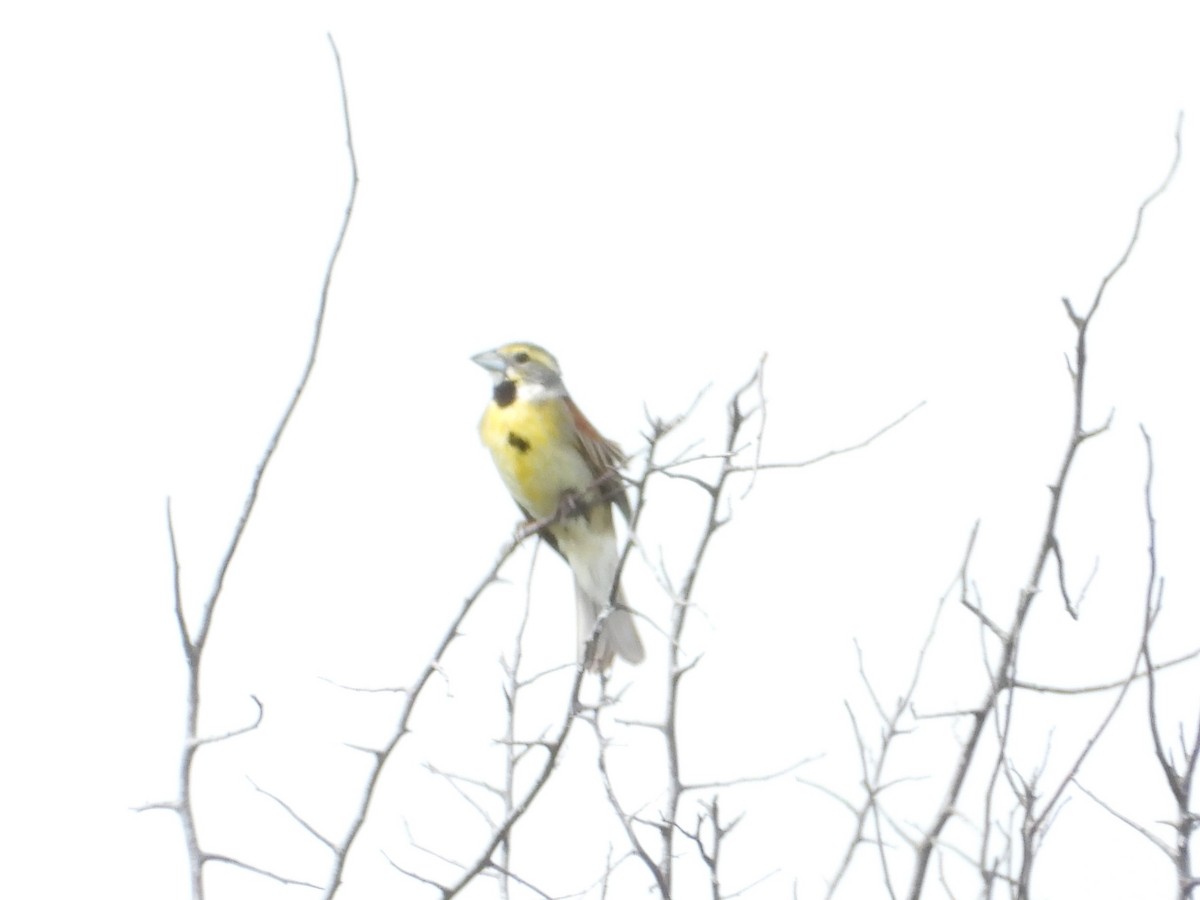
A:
x: 888, y: 202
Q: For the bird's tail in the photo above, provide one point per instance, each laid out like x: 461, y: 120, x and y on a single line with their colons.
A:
x: 618, y: 634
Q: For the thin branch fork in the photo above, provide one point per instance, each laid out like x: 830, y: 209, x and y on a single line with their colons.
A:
x: 1180, y: 776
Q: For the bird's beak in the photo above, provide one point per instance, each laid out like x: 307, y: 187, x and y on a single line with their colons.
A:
x: 491, y: 360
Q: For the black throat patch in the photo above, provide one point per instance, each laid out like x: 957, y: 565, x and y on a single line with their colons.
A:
x: 505, y: 393
x: 515, y: 440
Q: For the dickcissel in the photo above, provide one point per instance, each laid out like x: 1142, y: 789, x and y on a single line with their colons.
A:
x: 559, y: 469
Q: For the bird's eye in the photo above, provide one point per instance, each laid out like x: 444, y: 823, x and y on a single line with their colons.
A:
x: 521, y: 358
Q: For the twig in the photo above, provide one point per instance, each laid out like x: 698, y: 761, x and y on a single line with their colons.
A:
x: 761, y: 466
x: 1144, y: 832
x: 267, y: 873
x: 296, y: 817
x: 1106, y: 686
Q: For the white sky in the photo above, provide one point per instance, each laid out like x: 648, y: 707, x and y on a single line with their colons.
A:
x: 887, y: 201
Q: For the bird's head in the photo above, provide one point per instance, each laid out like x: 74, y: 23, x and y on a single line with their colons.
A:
x: 524, y: 370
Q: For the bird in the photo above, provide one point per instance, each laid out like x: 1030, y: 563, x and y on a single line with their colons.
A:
x: 561, y: 471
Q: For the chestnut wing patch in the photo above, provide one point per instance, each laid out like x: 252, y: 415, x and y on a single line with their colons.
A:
x: 602, y: 455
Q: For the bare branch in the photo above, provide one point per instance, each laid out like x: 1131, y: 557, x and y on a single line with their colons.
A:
x: 364, y: 690
x: 1038, y: 824
x: 1072, y: 611
x: 749, y: 779
x: 1007, y: 671
x: 830, y: 453
x: 1179, y: 777
x: 1151, y: 837
x: 1106, y: 686
x: 414, y: 875
x: 296, y: 817
x: 216, y: 738
x: 1137, y: 225
x: 310, y: 362
x: 512, y: 755
x: 274, y: 876
x: 180, y: 619
x: 762, y: 426
x: 193, y: 646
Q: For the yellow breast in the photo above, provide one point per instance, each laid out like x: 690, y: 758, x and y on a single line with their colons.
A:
x: 536, y: 450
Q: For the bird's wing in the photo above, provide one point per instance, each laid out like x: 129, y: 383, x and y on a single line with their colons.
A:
x: 603, y: 457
